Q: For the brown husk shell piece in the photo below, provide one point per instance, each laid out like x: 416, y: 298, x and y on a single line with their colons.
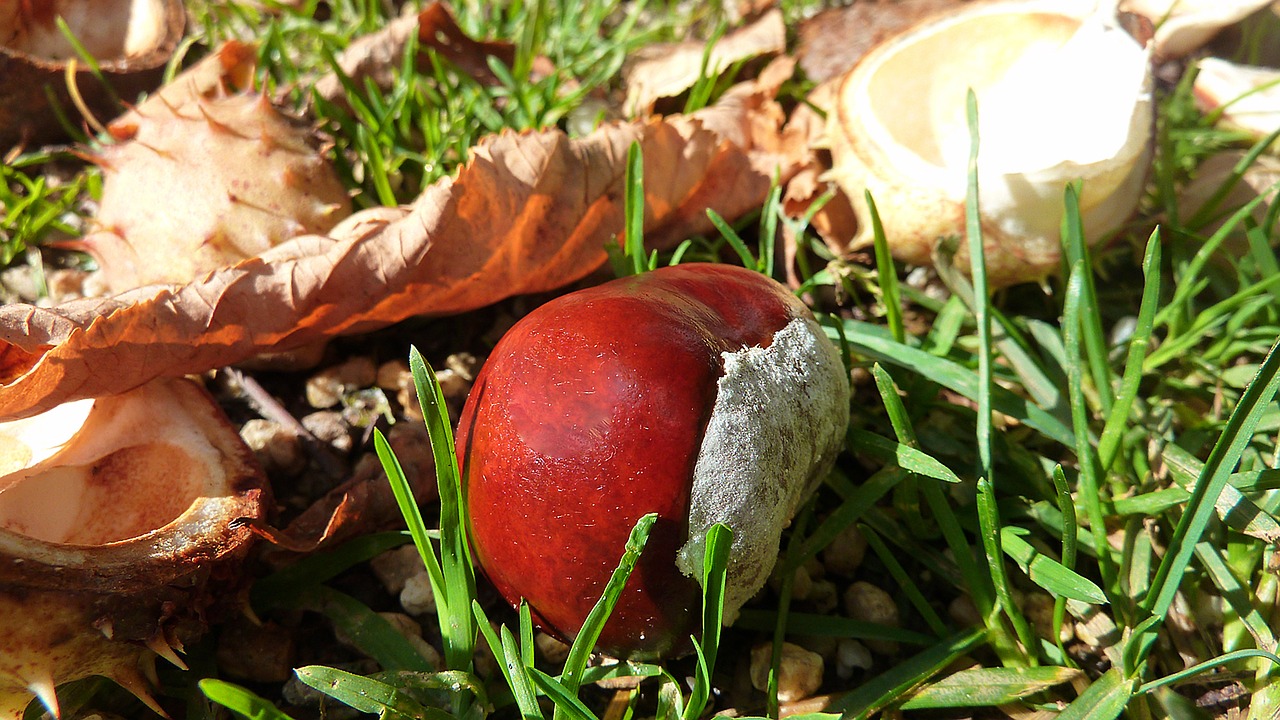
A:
x: 120, y: 536
x: 131, y: 40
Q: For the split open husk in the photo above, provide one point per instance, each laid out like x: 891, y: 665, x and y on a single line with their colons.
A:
x: 1245, y: 97
x: 1061, y: 97
x: 121, y: 528
x: 129, y: 40
x: 1183, y: 26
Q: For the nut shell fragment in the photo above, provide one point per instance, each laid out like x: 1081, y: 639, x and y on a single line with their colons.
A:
x: 130, y: 40
x: 1061, y: 97
x: 116, y: 544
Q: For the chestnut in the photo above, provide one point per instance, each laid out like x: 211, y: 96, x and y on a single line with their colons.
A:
x: 704, y: 393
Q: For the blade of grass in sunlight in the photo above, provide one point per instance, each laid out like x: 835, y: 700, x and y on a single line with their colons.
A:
x: 884, y: 689
x: 583, y: 645
x: 1070, y: 546
x: 1046, y: 572
x: 1089, y: 488
x: 1200, y: 508
x: 886, y: 273
x: 367, y: 694
x: 988, y: 515
x: 992, y: 543
x: 1095, y: 341
x: 240, y: 700
x: 983, y: 687
x: 1105, y: 698
x: 907, y: 457
x: 455, y: 553
x: 714, y: 572
x: 1117, y: 421
x: 735, y: 241
x: 872, y: 342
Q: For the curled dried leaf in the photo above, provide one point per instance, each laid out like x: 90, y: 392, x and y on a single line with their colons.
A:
x: 531, y: 212
x: 662, y: 71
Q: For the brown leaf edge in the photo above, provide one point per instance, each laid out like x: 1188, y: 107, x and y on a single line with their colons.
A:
x: 529, y: 213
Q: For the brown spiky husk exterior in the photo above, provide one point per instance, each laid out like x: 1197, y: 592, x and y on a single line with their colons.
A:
x: 202, y: 186
x: 75, y: 608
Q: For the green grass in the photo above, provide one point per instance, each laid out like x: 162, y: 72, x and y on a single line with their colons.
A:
x: 1106, y: 444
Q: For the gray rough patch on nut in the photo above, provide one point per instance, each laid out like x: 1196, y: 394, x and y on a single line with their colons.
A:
x: 792, y: 400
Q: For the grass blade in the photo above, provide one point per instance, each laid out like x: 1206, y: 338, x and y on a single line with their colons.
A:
x: 984, y: 687
x: 1105, y: 699
x: 1080, y: 417
x: 1113, y: 431
x: 907, y: 457
x: 871, y: 341
x: 1048, y: 573
x: 280, y: 587
x: 1222, y: 460
x: 568, y: 706
x: 989, y: 524
x: 457, y: 625
x: 367, y: 631
x: 1095, y: 341
x: 585, y: 642
x: 634, y: 210
x: 881, y: 691
x: 366, y: 694
x: 240, y: 700
x: 731, y: 236
x: 886, y: 274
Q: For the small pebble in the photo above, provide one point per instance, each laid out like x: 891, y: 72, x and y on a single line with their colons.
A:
x: 823, y: 597
x: 417, y: 597
x: 277, y: 448
x: 328, y: 427
x: 851, y: 656
x: 1038, y: 609
x: 553, y: 650
x: 326, y: 388
x: 799, y: 671
x: 867, y: 603
x: 845, y: 554
x: 393, y: 375
x: 394, y: 567
x: 464, y: 364
x: 964, y: 612
x: 801, y: 582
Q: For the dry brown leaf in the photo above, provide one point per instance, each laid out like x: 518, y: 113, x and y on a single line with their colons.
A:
x: 667, y: 70
x: 531, y: 212
x: 834, y: 40
x: 835, y: 222
x: 376, y: 56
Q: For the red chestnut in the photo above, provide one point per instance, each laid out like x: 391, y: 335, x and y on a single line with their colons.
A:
x: 704, y: 393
